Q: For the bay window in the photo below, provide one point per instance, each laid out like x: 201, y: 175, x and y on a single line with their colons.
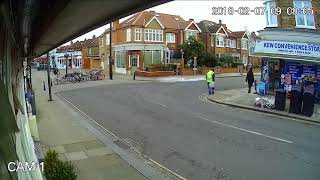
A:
x: 153, y: 35
x: 244, y: 43
x: 219, y: 40
x: 190, y: 34
x: 227, y: 42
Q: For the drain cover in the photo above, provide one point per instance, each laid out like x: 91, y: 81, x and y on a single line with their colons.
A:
x: 121, y: 144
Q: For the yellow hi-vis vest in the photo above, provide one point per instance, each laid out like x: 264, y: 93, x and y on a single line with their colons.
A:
x: 210, y: 75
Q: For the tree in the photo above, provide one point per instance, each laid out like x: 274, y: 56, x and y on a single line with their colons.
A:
x: 193, y: 48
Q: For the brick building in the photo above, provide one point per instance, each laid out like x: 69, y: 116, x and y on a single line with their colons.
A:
x: 290, y: 43
x: 219, y: 40
x: 146, y: 38
x: 90, y: 54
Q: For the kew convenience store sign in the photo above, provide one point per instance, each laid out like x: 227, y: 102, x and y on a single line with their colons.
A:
x: 287, y: 48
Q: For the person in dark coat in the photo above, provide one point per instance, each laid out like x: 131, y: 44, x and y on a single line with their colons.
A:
x: 250, y: 79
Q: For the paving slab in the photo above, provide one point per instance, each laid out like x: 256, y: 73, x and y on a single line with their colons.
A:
x: 98, y: 152
x: 74, y: 156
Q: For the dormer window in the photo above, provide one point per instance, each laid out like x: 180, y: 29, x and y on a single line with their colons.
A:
x: 304, y: 19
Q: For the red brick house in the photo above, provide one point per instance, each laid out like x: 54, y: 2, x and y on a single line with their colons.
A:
x: 146, y: 38
x: 219, y: 40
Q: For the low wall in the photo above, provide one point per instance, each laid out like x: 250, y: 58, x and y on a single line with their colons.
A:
x: 155, y: 73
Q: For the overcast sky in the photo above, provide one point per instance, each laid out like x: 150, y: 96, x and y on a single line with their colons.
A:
x: 202, y: 10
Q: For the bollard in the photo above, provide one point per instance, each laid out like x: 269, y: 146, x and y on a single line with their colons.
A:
x: 44, y: 86
x: 134, y: 75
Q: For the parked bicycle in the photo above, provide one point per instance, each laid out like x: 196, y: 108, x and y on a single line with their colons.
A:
x: 97, y: 75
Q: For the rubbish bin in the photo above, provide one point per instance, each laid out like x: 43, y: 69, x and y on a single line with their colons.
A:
x: 308, y: 102
x: 262, y: 88
x: 295, y: 102
x: 280, y: 100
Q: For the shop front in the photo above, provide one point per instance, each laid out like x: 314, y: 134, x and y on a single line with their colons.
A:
x: 293, y: 69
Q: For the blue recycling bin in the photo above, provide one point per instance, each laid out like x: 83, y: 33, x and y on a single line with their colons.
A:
x: 262, y: 88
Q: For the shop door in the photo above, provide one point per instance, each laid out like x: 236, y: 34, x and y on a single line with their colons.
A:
x: 274, y: 74
x: 134, y: 62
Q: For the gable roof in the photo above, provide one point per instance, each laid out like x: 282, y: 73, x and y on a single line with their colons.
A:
x: 190, y: 23
x: 154, y: 18
x: 168, y: 21
x: 212, y: 27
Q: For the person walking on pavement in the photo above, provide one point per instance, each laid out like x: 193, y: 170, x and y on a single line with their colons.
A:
x: 210, y: 81
x: 250, y: 79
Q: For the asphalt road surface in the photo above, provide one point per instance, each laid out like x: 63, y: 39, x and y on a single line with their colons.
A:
x: 177, y: 127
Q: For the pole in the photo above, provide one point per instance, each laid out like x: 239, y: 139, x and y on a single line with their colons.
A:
x: 49, y: 79
x: 66, y: 56
x: 30, y: 77
x: 110, y: 52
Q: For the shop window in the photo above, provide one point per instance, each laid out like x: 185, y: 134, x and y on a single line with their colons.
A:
x: 271, y: 18
x: 120, y: 59
x: 304, y: 19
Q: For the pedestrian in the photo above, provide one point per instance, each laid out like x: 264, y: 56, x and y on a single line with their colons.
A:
x: 250, y: 79
x: 210, y: 81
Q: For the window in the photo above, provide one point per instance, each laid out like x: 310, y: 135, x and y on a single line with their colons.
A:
x: 304, y: 20
x: 251, y: 52
x: 153, y: 35
x: 233, y: 43
x: 152, y: 57
x: 108, y: 39
x: 244, y: 43
x: 128, y: 35
x: 238, y: 44
x: 219, y: 41
x: 245, y: 60
x: 138, y: 34
x: 227, y: 42
x: 120, y: 59
x: 90, y: 51
x: 271, y: 18
x: 134, y: 61
x: 101, y: 42
x: 190, y: 34
x: 171, y: 37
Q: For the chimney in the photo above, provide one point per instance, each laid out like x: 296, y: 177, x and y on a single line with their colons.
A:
x: 115, y: 24
x: 191, y: 19
x: 152, y: 11
x: 220, y: 22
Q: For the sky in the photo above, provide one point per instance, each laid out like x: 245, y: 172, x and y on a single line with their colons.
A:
x: 202, y: 10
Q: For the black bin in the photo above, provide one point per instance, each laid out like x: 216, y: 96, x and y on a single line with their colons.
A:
x: 280, y: 100
x: 308, y: 104
x: 295, y: 102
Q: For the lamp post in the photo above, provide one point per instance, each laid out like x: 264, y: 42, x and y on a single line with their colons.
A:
x: 66, y: 56
x: 49, y: 79
x: 110, y: 52
x: 182, y: 59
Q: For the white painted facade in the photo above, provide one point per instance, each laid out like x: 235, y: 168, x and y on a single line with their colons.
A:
x: 58, y: 60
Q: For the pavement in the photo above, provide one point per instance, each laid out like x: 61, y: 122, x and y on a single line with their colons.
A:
x: 242, y: 99
x: 177, y: 126
x: 91, y: 150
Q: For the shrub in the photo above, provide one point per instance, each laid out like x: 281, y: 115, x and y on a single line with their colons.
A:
x: 55, y: 169
x: 236, y: 64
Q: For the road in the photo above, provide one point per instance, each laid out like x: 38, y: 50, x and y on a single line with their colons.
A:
x: 177, y: 127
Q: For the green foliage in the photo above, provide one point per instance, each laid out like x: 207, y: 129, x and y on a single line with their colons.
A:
x: 209, y: 60
x: 55, y: 169
x: 236, y: 64
x: 193, y: 48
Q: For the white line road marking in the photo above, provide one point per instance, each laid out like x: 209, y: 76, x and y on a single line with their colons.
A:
x: 159, y: 104
x: 148, y: 158
x: 248, y: 131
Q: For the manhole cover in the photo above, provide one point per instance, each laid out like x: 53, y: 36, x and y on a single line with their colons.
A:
x: 121, y: 144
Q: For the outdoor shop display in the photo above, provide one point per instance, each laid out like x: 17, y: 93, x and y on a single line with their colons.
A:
x: 264, y: 102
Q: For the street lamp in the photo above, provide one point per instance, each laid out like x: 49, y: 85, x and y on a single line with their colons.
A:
x: 182, y: 59
x: 110, y: 52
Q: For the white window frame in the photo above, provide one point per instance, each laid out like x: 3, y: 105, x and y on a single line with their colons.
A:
x: 220, y: 40
x: 304, y: 15
x: 101, y: 42
x: 233, y: 43
x: 90, y: 51
x: 227, y: 42
x: 170, y: 37
x: 138, y: 33
x: 270, y: 5
x: 189, y: 33
x: 128, y: 39
x: 107, y: 39
x: 244, y: 43
x: 153, y: 35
